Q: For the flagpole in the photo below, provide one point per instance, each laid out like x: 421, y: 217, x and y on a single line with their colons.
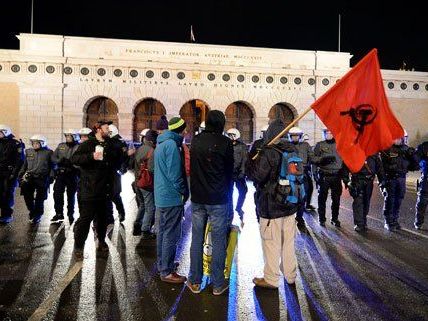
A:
x: 32, y: 15
x: 286, y: 129
x: 339, y: 30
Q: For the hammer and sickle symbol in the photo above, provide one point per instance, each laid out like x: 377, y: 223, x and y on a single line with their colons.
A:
x: 361, y: 116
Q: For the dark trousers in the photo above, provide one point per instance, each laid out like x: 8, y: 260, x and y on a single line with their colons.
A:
x: 422, y: 202
x: 91, y: 210
x: 309, y: 187
x: 63, y: 182
x: 361, y: 203
x: 35, y: 204
x: 395, y: 188
x: 7, y: 196
x: 333, y: 183
x: 241, y: 185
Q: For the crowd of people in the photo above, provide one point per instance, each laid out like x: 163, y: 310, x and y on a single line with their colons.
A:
x: 89, y: 165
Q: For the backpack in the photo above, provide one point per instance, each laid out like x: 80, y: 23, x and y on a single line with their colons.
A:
x: 290, y: 185
x: 145, y: 179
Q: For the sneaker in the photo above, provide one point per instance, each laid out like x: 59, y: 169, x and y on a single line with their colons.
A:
x: 222, y: 289
x: 174, y: 278
x: 310, y: 208
x: 36, y: 219
x: 261, y: 283
x: 148, y: 236
x: 57, y: 218
x: 195, y: 288
x: 6, y: 220
x: 322, y: 223
x: 335, y: 223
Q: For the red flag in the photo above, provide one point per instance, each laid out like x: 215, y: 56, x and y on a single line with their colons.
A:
x: 357, y: 113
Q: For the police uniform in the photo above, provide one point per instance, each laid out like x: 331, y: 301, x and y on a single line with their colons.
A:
x: 11, y: 160
x: 330, y: 173
x: 35, y: 176
x: 422, y: 202
x: 361, y: 189
x: 396, y: 162
x: 305, y: 152
x: 66, y: 178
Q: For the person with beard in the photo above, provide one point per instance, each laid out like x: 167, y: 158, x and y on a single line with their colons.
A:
x: 11, y: 160
x: 331, y: 171
x: 210, y: 184
x: 66, y: 177
x: 277, y: 217
x: 98, y: 159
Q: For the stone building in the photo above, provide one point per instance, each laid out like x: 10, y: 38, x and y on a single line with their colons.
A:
x: 53, y: 83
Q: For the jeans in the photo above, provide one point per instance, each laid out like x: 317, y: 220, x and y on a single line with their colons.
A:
x: 218, y: 215
x: 168, y: 236
x: 146, y: 210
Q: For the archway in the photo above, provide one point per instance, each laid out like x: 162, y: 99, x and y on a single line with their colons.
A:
x: 146, y: 113
x: 101, y: 108
x: 283, y: 111
x: 194, y: 113
x: 239, y: 115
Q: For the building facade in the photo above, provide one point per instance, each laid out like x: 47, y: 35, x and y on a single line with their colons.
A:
x: 53, y: 83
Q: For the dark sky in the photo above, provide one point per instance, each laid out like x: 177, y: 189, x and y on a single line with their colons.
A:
x: 399, y: 31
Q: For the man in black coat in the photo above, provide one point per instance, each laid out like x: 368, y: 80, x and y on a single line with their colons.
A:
x: 97, y: 159
x: 211, y: 157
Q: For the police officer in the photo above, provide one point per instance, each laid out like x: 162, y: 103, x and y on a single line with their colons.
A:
x: 256, y: 147
x: 84, y: 134
x: 422, y: 202
x: 306, y: 153
x: 11, y: 159
x: 330, y: 174
x: 98, y: 159
x: 240, y: 158
x: 119, y: 143
x: 396, y: 161
x: 35, y: 176
x: 361, y: 188
x: 66, y: 177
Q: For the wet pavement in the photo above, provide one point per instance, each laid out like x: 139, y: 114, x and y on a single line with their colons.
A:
x: 342, y: 275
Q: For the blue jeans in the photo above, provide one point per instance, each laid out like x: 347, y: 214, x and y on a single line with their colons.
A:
x: 146, y: 210
x: 168, y: 236
x: 219, y: 218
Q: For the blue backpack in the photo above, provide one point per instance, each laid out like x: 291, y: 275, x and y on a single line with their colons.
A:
x: 291, y: 177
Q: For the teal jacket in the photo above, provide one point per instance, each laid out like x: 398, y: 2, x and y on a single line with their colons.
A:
x: 170, y: 185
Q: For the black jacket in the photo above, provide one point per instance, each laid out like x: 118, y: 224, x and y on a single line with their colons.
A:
x: 11, y: 157
x: 96, y: 177
x: 264, y: 171
x: 211, y: 163
x: 240, y: 153
x: 398, y: 160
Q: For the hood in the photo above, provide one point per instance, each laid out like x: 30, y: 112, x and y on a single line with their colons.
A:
x: 215, y: 122
x: 170, y: 135
x: 274, y: 129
